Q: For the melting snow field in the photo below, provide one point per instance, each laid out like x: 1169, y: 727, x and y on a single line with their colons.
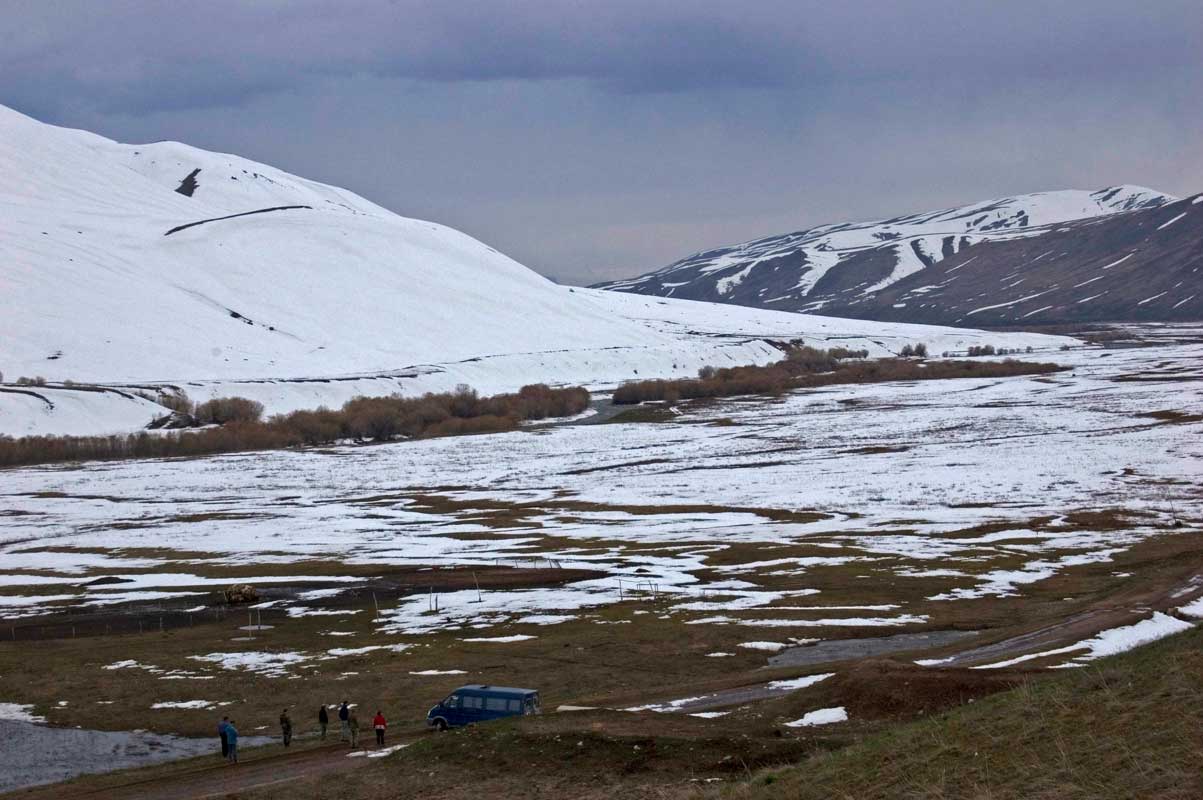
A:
x: 724, y: 514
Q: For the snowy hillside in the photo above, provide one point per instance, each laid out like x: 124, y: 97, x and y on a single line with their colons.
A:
x: 861, y: 269
x: 164, y: 265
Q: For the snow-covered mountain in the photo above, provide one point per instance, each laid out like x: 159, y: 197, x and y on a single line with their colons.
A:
x: 1001, y: 251
x: 126, y: 266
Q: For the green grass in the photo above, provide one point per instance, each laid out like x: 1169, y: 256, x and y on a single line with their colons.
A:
x: 1129, y: 727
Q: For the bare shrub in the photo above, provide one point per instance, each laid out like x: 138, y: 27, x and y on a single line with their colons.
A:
x: 320, y: 426
x: 363, y: 418
x: 177, y: 401
x: 810, y: 359
x: 35, y: 381
x: 222, y: 410
x: 804, y: 371
x: 377, y: 418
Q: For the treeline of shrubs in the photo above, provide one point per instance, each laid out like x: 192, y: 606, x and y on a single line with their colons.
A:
x: 808, y: 367
x: 361, y: 419
x: 218, y: 411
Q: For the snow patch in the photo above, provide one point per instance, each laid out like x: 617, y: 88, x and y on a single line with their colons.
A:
x: 823, y: 716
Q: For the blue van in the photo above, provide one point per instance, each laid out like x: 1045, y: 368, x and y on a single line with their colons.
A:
x: 479, y: 702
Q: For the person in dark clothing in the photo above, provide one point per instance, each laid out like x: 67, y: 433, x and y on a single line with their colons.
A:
x: 323, y: 720
x: 380, y: 725
x: 286, y: 727
x: 344, y: 713
x: 221, y: 732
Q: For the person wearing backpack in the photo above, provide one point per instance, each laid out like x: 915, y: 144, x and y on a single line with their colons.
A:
x: 344, y: 714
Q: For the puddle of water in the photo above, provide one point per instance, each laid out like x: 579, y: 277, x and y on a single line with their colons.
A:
x: 844, y: 649
x: 36, y: 754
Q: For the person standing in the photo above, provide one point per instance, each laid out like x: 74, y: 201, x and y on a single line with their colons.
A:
x: 379, y: 725
x: 353, y: 728
x: 222, y: 732
x: 232, y: 738
x: 323, y: 720
x: 286, y: 727
x: 343, y: 717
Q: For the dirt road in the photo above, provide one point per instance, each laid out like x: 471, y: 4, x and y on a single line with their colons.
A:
x: 218, y: 779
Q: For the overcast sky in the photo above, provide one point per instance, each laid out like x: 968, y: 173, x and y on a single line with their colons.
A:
x: 603, y: 138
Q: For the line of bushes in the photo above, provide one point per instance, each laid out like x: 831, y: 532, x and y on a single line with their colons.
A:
x: 807, y: 367
x: 239, y: 427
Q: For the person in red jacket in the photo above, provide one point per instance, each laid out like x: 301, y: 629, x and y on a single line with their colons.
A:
x: 380, y: 725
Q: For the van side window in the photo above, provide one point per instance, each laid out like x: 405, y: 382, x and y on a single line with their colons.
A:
x: 495, y: 704
x: 472, y: 702
x: 514, y: 705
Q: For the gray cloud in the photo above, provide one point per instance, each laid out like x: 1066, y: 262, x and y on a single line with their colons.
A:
x: 597, y: 139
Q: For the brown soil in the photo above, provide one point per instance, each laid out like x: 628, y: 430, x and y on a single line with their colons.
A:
x: 882, y: 689
x: 386, y: 584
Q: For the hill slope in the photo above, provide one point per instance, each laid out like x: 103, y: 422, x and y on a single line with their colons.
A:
x: 1123, y: 253
x: 164, y: 265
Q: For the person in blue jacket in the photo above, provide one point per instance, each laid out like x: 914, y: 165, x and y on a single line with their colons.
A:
x: 232, y: 738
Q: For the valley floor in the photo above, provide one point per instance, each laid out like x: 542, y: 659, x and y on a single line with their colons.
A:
x: 738, y: 559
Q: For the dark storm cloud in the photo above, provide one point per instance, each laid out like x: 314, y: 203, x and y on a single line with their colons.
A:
x: 606, y: 137
x: 145, y: 55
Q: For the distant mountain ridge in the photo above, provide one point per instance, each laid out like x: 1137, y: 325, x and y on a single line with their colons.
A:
x: 986, y: 263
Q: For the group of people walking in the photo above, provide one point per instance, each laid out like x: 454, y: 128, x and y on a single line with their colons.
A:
x: 348, y: 723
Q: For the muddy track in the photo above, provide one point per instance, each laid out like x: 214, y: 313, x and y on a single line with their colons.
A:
x: 218, y: 779
x: 1123, y: 610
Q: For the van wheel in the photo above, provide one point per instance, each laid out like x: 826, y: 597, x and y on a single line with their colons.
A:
x: 440, y: 724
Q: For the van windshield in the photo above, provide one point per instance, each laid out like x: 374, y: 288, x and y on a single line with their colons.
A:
x: 452, y: 700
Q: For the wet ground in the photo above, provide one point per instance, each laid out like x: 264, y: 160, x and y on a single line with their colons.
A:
x: 35, y: 754
x: 845, y: 649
